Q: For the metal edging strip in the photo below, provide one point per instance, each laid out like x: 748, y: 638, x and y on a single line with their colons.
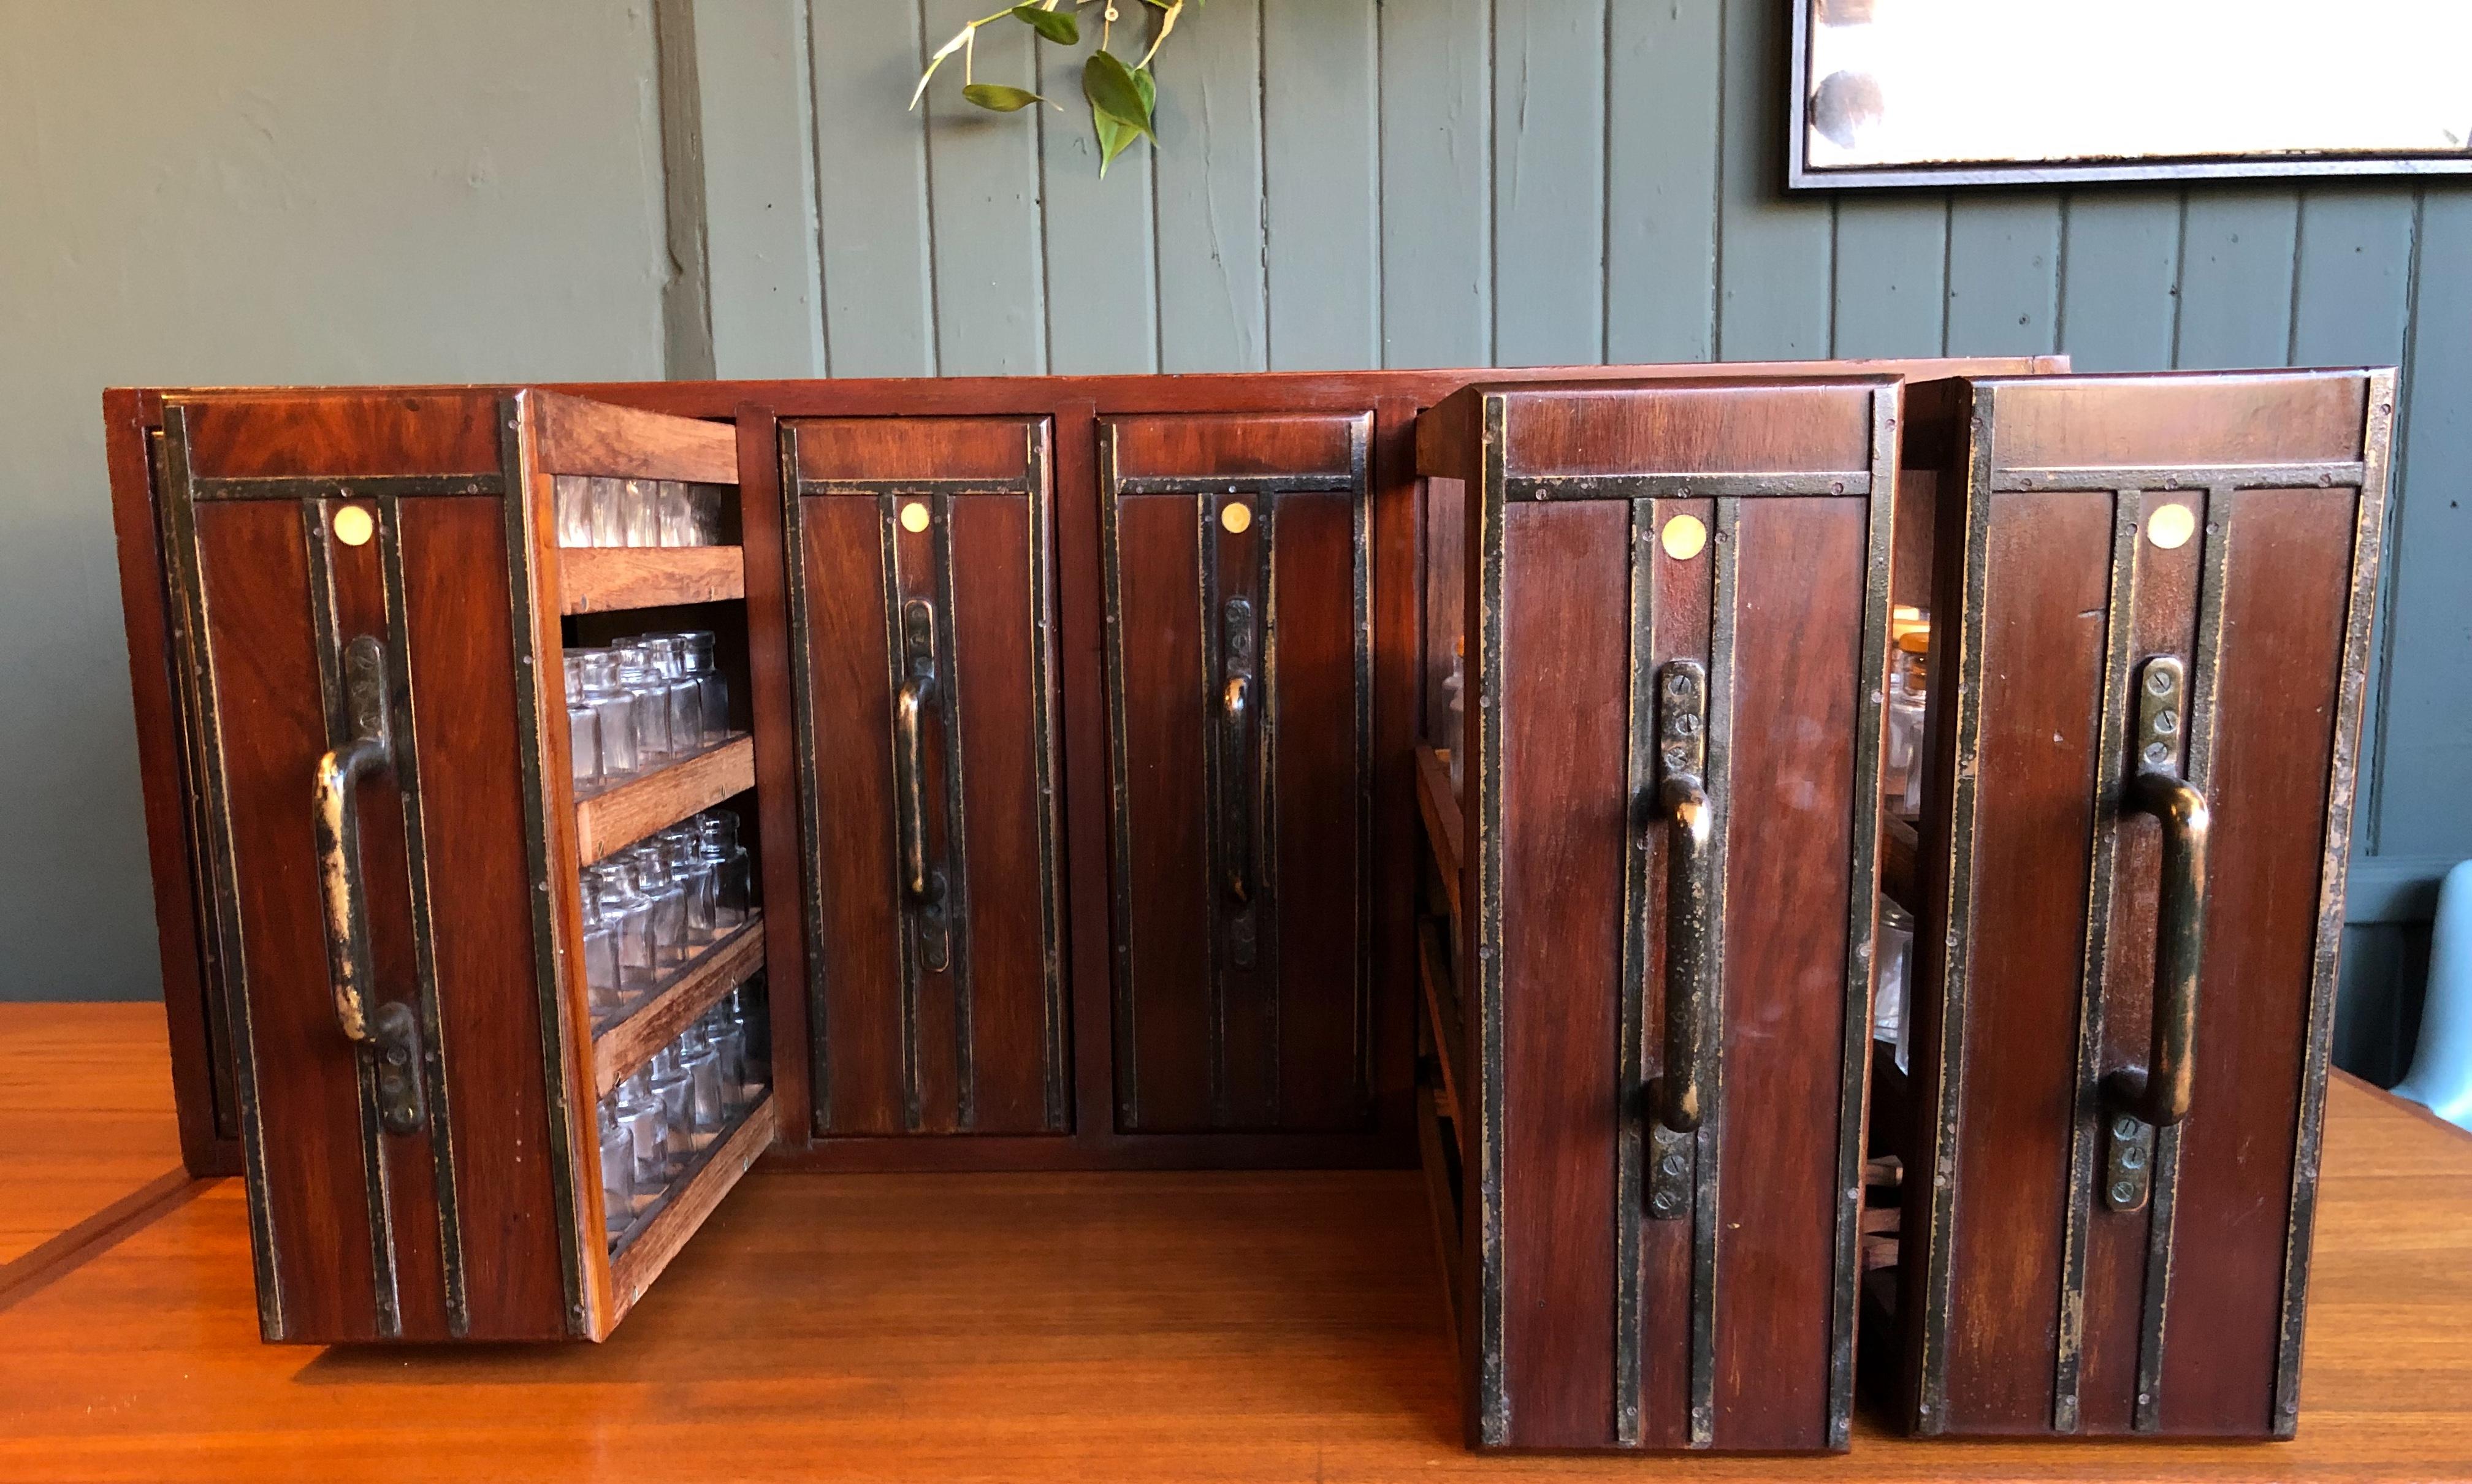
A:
x: 1486, y: 856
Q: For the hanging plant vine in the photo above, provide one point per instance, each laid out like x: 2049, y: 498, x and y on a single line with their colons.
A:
x: 1124, y: 101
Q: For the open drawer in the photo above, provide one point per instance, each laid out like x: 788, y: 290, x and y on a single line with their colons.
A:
x: 375, y: 614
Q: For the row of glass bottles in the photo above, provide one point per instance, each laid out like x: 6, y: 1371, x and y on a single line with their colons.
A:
x: 680, y: 1104
x: 642, y: 702
x: 651, y: 909
x: 593, y: 511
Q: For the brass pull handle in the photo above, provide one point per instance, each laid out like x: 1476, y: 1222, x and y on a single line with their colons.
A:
x: 391, y: 1032
x: 337, y: 819
x: 1235, y: 706
x: 1690, y: 823
x: 909, y: 772
x: 2139, y: 1100
x: 1236, y: 714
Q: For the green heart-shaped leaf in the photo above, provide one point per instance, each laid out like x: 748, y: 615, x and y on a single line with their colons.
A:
x: 1112, y: 89
x: 996, y: 98
x: 1056, y: 26
x: 1115, y: 137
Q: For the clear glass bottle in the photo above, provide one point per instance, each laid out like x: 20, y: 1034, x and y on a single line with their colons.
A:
x: 617, y: 1170
x: 1894, y: 953
x: 613, y: 708
x: 677, y: 522
x: 601, y: 977
x: 725, y: 1033
x: 670, y: 1083
x: 650, y: 876
x: 651, y: 694
x: 572, y: 495
x: 640, y: 1113
x: 683, y: 697
x: 582, y: 723
x: 1901, y: 771
x: 631, y: 913
x: 707, y: 1098
x: 706, y: 500
x: 639, y: 513
x: 608, y: 518
x: 733, y: 876
x: 682, y: 849
x: 697, y: 646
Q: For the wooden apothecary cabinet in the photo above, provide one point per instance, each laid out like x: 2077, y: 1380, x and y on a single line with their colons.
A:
x: 1079, y: 760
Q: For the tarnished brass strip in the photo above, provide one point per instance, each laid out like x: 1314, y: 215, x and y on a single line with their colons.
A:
x: 1486, y: 862
x: 2204, y: 674
x: 1259, y: 484
x: 2342, y: 782
x: 802, y: 722
x: 193, y: 640
x: 1710, y: 484
x: 558, y: 1056
x: 957, y: 834
x: 2098, y: 479
x: 1360, y: 437
x: 1042, y: 751
x: 1862, y: 909
x: 913, y: 489
x: 896, y: 650
x: 377, y: 1195
x: 444, y: 1177
x: 1966, y: 710
x: 1707, y: 1218
x: 1639, y: 833
x: 1118, y: 783
x: 2120, y: 636
x: 1263, y: 786
x: 346, y: 486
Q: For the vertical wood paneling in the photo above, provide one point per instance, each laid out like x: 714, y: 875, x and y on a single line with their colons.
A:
x: 2004, y: 282
x: 872, y: 189
x: 2424, y: 751
x: 1436, y: 183
x: 758, y: 179
x: 1213, y: 299
x: 1549, y: 179
x: 983, y: 205
x: 1322, y: 184
x: 1661, y: 180
x: 1102, y: 258
x: 1774, y: 255
x: 1889, y: 297
x: 2351, y: 294
x: 2236, y: 249
x: 2120, y: 279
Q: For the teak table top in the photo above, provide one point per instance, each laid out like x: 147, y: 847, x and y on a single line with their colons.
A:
x: 1265, y: 1325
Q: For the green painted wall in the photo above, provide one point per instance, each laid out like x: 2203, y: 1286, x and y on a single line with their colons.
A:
x: 477, y: 190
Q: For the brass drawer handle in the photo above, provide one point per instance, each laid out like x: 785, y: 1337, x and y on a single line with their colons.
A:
x: 390, y: 1032
x: 909, y: 762
x: 1690, y: 821
x: 2138, y: 1100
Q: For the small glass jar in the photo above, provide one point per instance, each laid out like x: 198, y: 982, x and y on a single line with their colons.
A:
x: 641, y: 1114
x: 696, y: 649
x: 733, y: 876
x: 651, y: 694
x: 707, y: 1097
x: 572, y: 496
x: 614, y: 714
x: 639, y: 513
x: 651, y: 875
x: 682, y: 693
x: 607, y: 520
x: 677, y: 514
x: 603, y: 984
x: 629, y: 913
x: 582, y: 723
x: 682, y: 851
x: 675, y: 1090
x: 1893, y: 952
x: 617, y: 1170
x: 705, y: 500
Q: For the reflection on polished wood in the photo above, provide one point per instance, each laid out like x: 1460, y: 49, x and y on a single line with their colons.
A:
x: 1271, y: 1326
x: 85, y: 1114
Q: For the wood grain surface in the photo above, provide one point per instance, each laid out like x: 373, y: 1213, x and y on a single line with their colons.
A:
x: 1270, y: 1326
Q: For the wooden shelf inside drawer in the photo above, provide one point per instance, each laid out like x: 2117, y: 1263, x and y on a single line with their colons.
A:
x: 656, y: 1237
x: 630, y: 1041
x: 1443, y: 1014
x: 622, y: 813
x: 598, y: 578
x: 1440, y: 806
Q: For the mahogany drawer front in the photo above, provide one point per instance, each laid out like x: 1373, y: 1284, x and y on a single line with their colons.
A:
x: 922, y: 622
x: 2168, y: 586
x: 1679, y: 600
x: 1237, y: 575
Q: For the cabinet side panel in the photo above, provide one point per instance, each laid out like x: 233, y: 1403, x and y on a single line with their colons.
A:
x: 1798, y: 645
x: 273, y: 724
x: 2288, y: 570
x: 1563, y: 694
x: 2048, y: 564
x: 457, y: 627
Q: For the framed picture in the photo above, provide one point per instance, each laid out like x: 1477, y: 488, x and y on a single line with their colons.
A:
x: 1957, y: 92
